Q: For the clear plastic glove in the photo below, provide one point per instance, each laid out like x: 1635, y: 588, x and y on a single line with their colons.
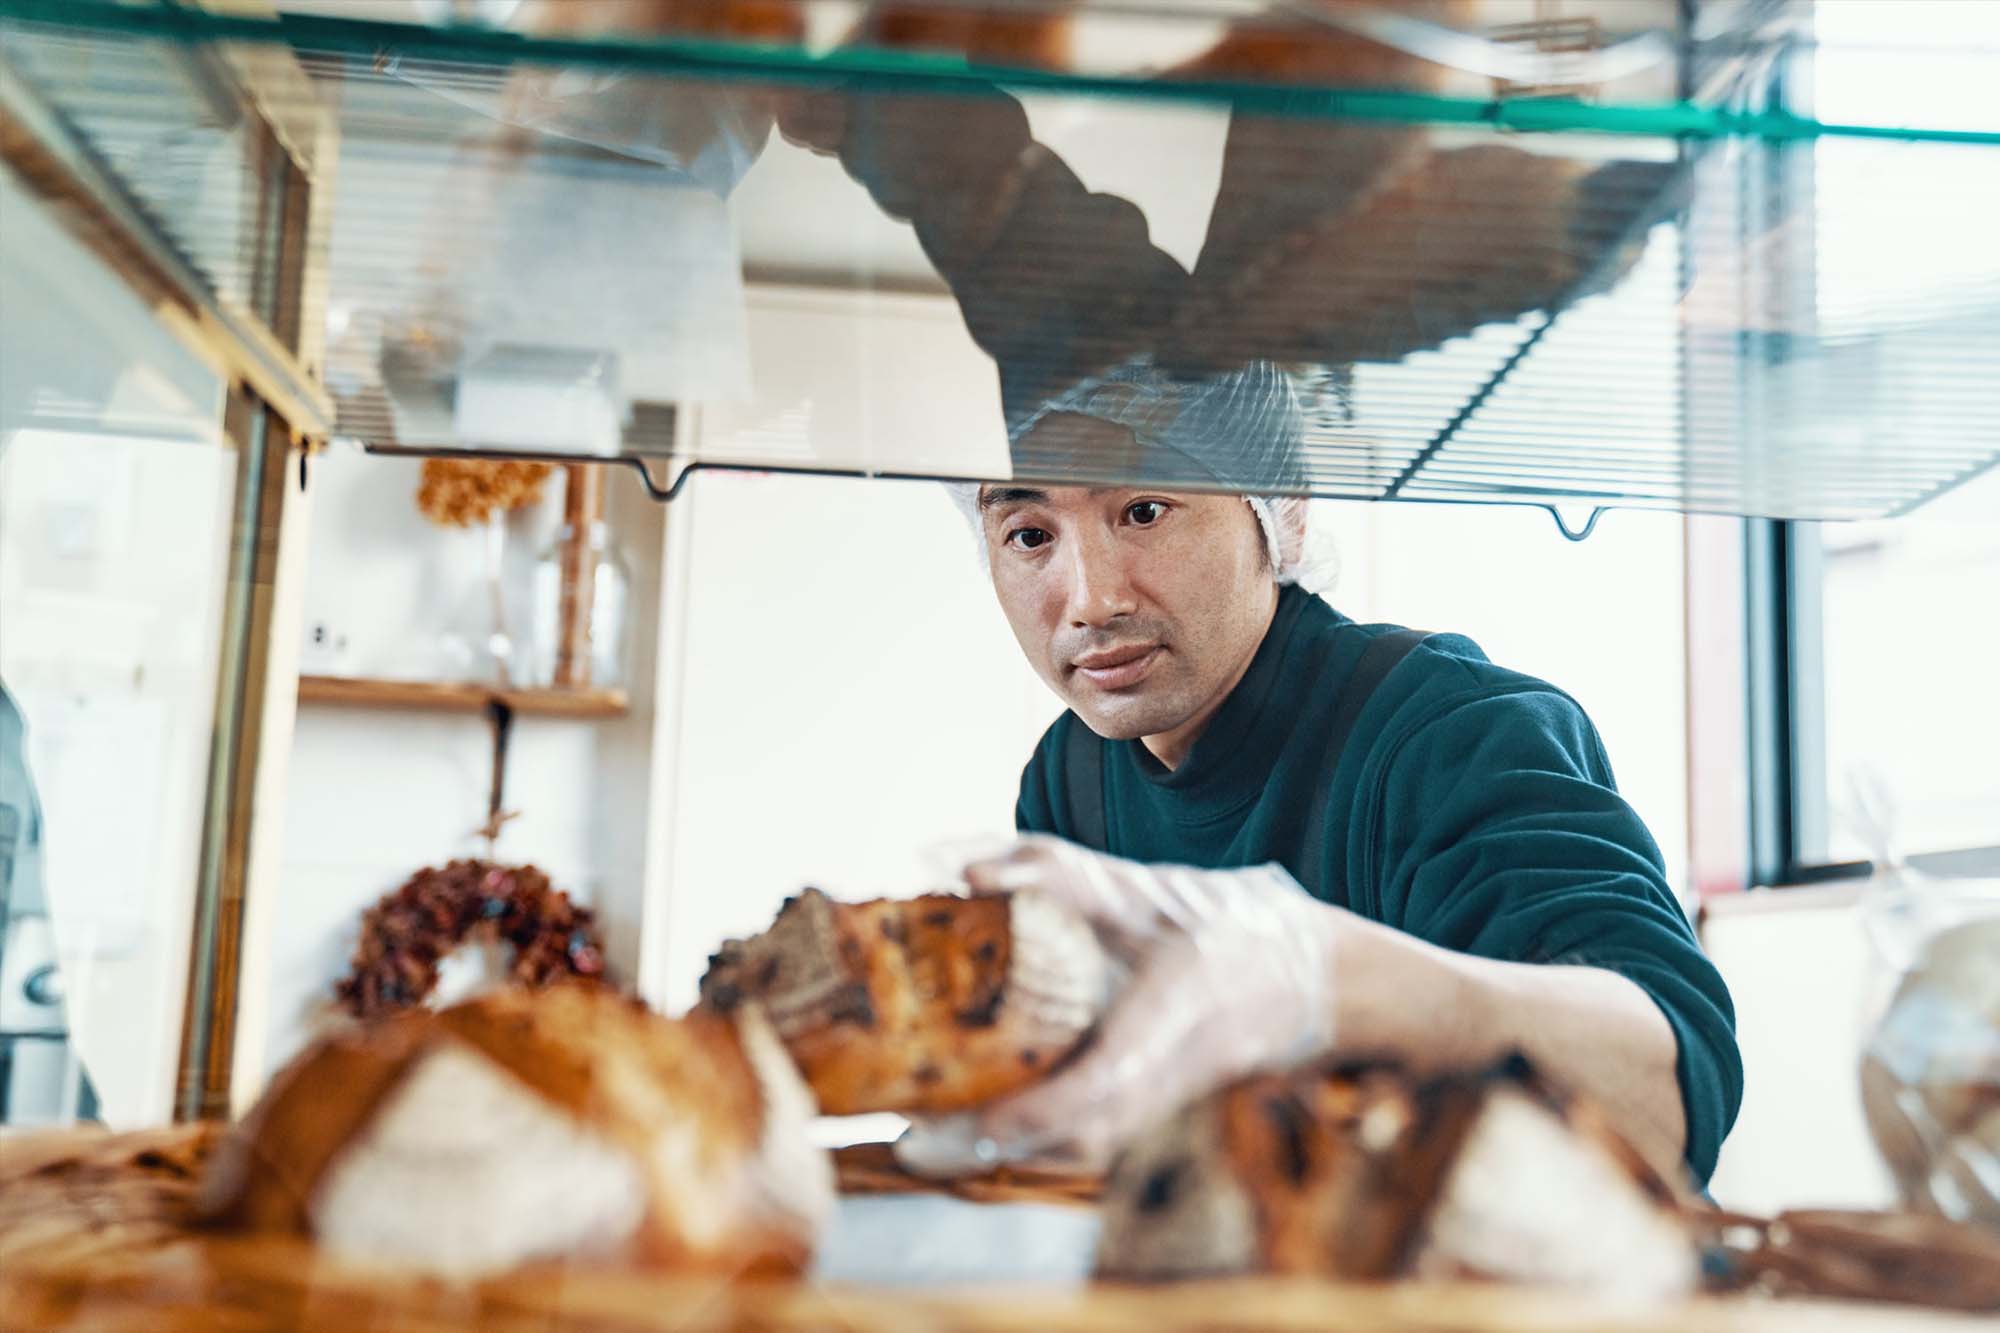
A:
x: 1232, y: 972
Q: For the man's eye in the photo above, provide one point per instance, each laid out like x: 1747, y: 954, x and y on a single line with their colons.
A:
x: 1027, y: 539
x: 1146, y: 512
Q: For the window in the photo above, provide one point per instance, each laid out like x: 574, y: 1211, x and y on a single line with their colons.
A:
x: 1889, y: 637
x: 1898, y: 678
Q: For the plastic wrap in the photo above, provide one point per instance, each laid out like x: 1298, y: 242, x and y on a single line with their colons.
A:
x: 479, y: 303
x: 1930, y: 1071
x: 474, y: 332
x: 706, y: 132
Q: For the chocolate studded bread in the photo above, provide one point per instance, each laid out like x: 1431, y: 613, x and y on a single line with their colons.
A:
x: 927, y: 1005
x: 1365, y: 1174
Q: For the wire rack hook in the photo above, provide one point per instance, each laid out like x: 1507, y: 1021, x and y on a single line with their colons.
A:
x: 1575, y: 534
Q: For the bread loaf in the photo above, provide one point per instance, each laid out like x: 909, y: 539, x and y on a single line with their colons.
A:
x: 995, y: 34
x: 933, y: 1004
x: 568, y: 1124
x: 1364, y: 1174
x: 775, y: 21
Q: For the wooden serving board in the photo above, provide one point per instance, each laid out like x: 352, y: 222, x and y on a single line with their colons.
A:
x: 94, y: 1235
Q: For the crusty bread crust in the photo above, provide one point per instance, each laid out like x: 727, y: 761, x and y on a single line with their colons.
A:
x: 682, y: 1098
x: 931, y: 1004
x: 989, y: 34
x: 755, y: 20
x: 1354, y: 1173
x: 264, y: 1171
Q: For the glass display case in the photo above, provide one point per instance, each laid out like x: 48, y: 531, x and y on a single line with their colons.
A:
x: 1665, y: 255
x: 1648, y: 272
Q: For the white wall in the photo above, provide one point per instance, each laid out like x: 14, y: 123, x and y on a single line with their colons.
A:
x: 850, y: 695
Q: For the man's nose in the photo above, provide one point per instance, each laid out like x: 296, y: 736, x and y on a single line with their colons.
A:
x: 1100, y: 585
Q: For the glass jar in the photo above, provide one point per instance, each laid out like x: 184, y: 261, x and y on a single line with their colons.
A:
x: 582, y: 612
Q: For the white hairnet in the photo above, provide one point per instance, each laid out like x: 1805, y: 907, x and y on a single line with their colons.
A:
x: 1244, y: 428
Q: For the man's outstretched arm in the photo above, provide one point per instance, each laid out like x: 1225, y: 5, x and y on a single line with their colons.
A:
x: 1589, y: 1029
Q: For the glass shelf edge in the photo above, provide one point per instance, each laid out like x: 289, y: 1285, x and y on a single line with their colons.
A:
x: 919, y: 73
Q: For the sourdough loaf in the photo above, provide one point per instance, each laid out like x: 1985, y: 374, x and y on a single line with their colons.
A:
x: 927, y: 1005
x: 567, y: 1124
x: 1364, y: 1174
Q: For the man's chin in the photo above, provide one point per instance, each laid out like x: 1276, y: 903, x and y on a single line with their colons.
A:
x: 1125, y: 719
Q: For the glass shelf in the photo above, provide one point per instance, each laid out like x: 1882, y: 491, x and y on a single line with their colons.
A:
x: 1611, y: 66
x: 1491, y: 269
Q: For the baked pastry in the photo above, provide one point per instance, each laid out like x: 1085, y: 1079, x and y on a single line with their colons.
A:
x: 1425, y: 246
x: 1288, y: 177
x: 753, y: 20
x: 569, y: 1123
x: 996, y: 34
x: 409, y: 933
x: 928, y: 1005
x: 1335, y: 241
x: 83, y: 1196
x: 1364, y: 1174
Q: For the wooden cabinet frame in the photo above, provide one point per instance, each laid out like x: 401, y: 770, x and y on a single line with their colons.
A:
x: 276, y: 411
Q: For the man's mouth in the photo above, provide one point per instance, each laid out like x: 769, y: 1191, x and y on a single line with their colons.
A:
x: 1117, y: 668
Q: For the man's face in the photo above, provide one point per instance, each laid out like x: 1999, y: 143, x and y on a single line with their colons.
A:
x: 1140, y: 608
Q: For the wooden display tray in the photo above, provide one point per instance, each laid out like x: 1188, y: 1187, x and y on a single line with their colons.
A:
x: 92, y: 1236
x: 870, y: 1168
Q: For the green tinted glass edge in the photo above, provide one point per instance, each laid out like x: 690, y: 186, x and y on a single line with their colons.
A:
x: 895, y: 71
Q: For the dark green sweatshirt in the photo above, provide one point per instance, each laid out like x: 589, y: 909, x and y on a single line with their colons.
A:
x: 1472, y: 807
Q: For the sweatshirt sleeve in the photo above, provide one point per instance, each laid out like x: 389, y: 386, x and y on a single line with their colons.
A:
x: 1500, y: 832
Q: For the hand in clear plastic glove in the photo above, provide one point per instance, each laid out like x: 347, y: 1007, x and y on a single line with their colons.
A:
x: 1232, y: 972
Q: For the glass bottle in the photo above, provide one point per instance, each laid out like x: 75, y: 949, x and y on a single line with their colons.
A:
x: 479, y: 642
x: 582, y: 584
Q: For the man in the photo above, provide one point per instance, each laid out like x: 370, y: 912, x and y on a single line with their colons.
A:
x: 1310, y: 836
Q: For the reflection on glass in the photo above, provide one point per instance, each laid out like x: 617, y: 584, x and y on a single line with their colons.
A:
x: 1394, y: 271
x: 115, y: 498
x: 1451, y: 226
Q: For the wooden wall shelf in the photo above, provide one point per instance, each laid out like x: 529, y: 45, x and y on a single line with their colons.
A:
x: 468, y: 697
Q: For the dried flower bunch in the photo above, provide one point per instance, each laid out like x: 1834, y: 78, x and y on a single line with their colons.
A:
x: 408, y: 933
x: 460, y: 492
